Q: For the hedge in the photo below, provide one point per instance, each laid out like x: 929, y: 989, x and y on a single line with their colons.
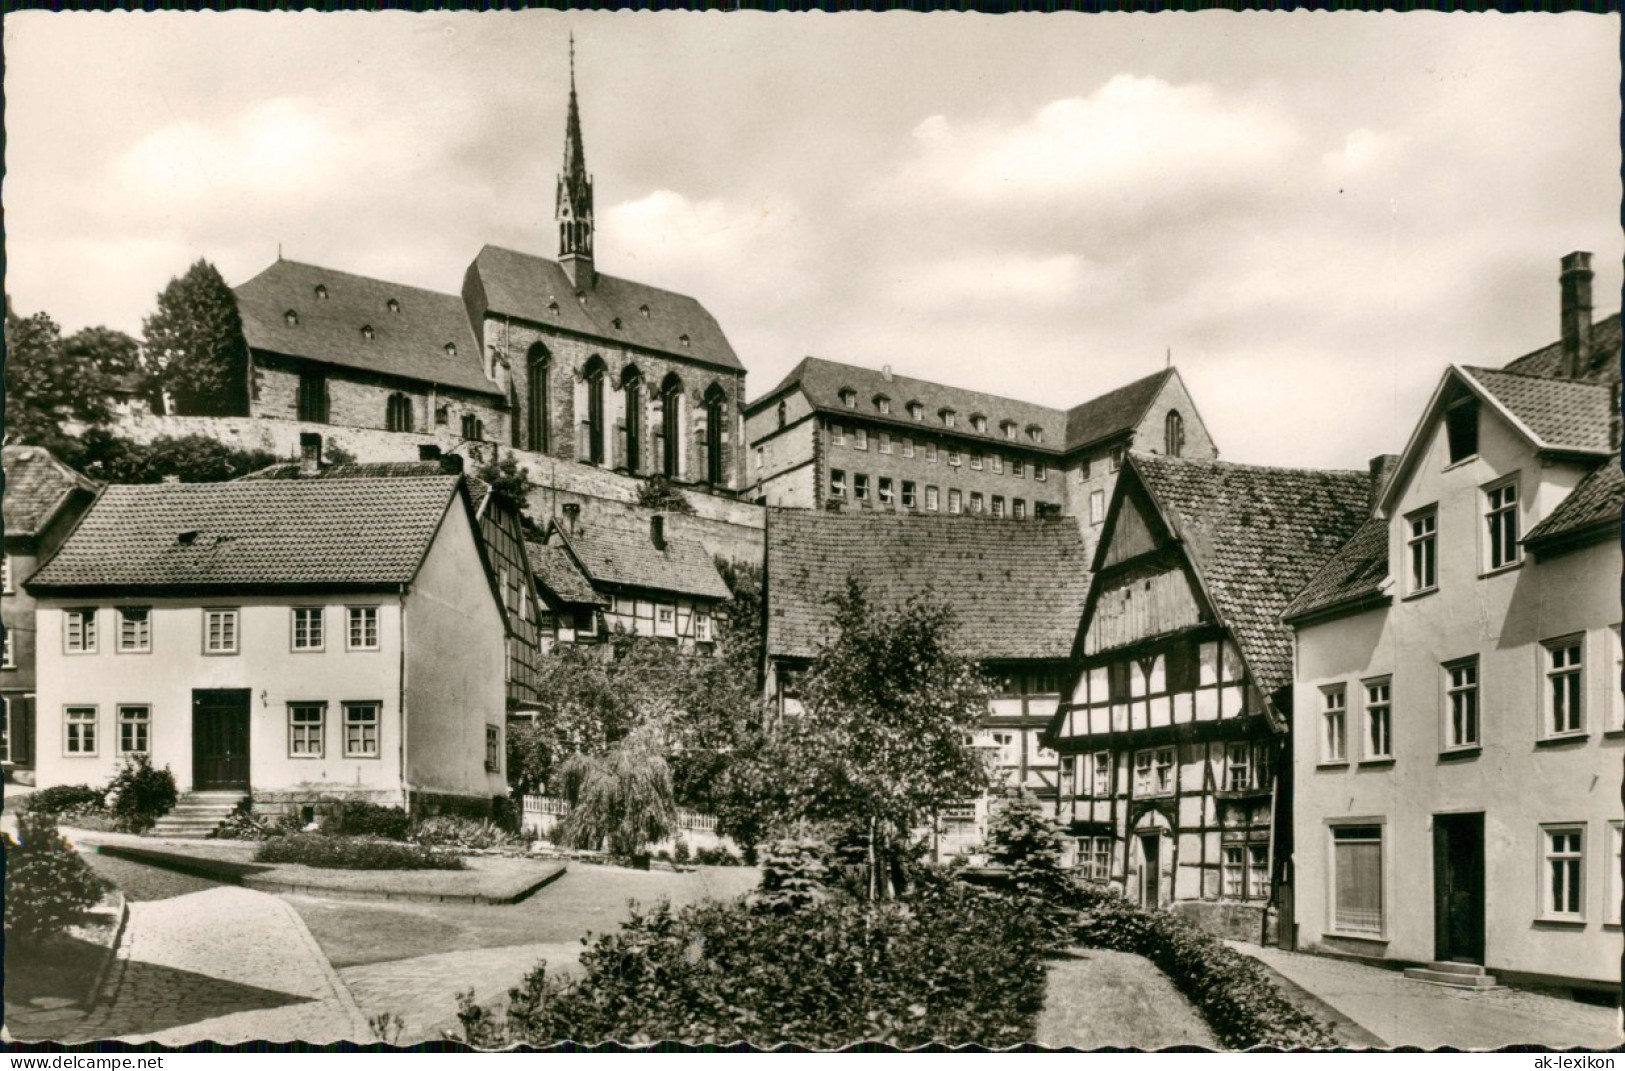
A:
x: 353, y: 853
x: 951, y: 965
x: 48, y: 884
x: 1235, y: 994
x: 357, y: 818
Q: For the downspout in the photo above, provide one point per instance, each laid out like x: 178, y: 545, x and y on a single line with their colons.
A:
x: 406, y: 781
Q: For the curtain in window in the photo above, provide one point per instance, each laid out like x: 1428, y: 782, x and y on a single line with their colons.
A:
x: 1359, y: 880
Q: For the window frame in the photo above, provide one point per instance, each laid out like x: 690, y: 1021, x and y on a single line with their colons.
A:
x: 1615, y: 831
x: 883, y: 442
x: 293, y: 629
x: 493, y: 748
x: 1040, y: 470
x: 5, y: 575
x: 956, y: 501
x: 1427, y: 543
x: 68, y: 736
x: 320, y: 707
x: 1575, y: 676
x: 123, y: 614
x: 1503, y: 524
x: 907, y: 445
x: 995, y: 505
x: 837, y: 483
x: 1329, y: 755
x: 1333, y: 926
x: 860, y: 487
x: 1018, y: 509
x: 1452, y: 688
x: 883, y: 491
x: 933, y: 496
x: 1368, y: 707
x: 1549, y: 909
x: 978, y: 503
x: 89, y: 630
x: 860, y: 438
x: 910, y: 498
x: 377, y: 723
x: 226, y: 613
x: 976, y: 460
x: 1097, y: 507
x: 350, y: 613
x: 145, y: 722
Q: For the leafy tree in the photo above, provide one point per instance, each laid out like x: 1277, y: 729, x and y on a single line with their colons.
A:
x: 192, y: 458
x: 196, y: 345
x: 511, y: 481
x: 621, y: 799
x: 113, y: 352
x: 884, y: 739
x: 48, y: 385
x: 657, y: 492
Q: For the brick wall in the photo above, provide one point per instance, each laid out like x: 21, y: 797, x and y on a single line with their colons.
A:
x: 567, y: 407
x: 362, y: 402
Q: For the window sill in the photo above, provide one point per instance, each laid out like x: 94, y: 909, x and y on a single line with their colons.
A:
x: 1460, y: 754
x: 1509, y: 568
x: 1614, y: 734
x: 1332, y: 764
x: 1369, y: 938
x: 1386, y: 760
x: 1422, y: 594
x: 1555, y: 923
x: 1565, y: 739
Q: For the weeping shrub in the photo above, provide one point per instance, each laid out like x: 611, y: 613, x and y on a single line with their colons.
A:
x: 621, y: 800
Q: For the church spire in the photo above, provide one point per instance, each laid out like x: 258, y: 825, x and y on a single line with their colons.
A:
x: 573, y: 206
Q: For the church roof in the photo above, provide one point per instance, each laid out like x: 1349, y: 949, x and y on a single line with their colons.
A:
x: 536, y: 289
x: 1113, y: 413
x: 409, y: 339
x: 1016, y: 588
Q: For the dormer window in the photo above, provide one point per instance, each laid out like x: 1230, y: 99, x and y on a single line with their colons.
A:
x: 1035, y: 433
x: 849, y: 397
x: 553, y: 307
x: 1461, y: 427
x: 643, y: 311
x: 978, y: 422
x: 291, y: 317
x: 683, y: 339
x: 366, y: 332
x: 321, y: 292
x: 393, y: 306
x: 451, y: 349
x: 1009, y: 429
x: 617, y: 323
x: 948, y: 417
x: 581, y: 298
x: 882, y: 404
x: 916, y: 410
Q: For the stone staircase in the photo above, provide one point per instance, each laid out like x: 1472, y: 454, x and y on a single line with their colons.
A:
x: 1454, y: 975
x: 197, y: 814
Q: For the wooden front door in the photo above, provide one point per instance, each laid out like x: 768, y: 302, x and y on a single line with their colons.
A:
x: 1150, y: 871
x: 1458, y: 887
x: 220, y: 739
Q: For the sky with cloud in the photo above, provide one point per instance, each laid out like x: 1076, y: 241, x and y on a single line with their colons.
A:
x: 1313, y: 213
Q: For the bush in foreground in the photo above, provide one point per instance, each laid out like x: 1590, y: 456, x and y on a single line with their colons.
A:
x: 354, y: 853
x: 1235, y: 994
x: 48, y: 884
x: 59, y: 799
x: 449, y: 831
x: 139, y: 795
x: 951, y: 964
x: 357, y: 818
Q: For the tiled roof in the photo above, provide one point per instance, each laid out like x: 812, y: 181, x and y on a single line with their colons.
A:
x: 410, y: 343
x: 1016, y: 588
x: 252, y: 534
x: 1256, y: 535
x: 537, y: 289
x: 627, y: 557
x: 1564, y: 414
x: 1601, y: 367
x: 1114, y: 412
x: 823, y: 381
x: 558, y: 573
x: 1355, y: 573
x: 368, y: 470
x: 1593, y: 506
x: 36, y: 486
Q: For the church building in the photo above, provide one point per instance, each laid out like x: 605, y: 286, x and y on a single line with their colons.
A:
x: 549, y: 357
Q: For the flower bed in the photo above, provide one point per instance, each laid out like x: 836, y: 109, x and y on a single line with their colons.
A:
x: 354, y: 853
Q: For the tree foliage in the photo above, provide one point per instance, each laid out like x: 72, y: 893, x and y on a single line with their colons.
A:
x: 190, y: 458
x: 49, y: 385
x: 196, y: 345
x: 620, y: 799
x: 511, y: 482
x: 657, y: 492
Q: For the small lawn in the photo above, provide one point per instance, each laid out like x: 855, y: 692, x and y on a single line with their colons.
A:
x: 1095, y: 998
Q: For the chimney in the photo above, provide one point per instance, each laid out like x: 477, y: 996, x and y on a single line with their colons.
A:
x: 885, y: 372
x: 428, y: 452
x: 572, y: 514
x: 1380, y: 467
x: 1576, y: 285
x: 310, y: 453
x: 657, y: 531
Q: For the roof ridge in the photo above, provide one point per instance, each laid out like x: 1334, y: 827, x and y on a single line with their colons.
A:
x: 1218, y: 463
x: 352, y: 275
x: 1475, y: 368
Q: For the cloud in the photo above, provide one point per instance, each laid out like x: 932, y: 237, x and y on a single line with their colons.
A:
x: 1135, y: 134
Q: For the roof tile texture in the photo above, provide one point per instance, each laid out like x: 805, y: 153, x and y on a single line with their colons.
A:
x: 1595, y: 503
x: 1563, y: 413
x: 36, y: 484
x: 627, y: 556
x: 1016, y: 588
x: 557, y: 572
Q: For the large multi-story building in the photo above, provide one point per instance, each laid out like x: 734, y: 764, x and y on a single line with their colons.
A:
x: 1174, y: 716
x: 44, y: 499
x: 551, y: 357
x: 841, y: 435
x: 1458, y: 704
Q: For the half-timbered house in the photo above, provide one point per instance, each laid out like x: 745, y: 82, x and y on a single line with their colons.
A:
x: 1172, y: 727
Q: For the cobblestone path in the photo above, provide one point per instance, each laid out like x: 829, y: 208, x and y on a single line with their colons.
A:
x: 227, y: 965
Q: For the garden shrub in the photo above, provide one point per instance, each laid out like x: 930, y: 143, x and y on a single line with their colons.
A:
x: 680, y: 853
x: 139, y: 795
x: 358, y: 818
x: 952, y: 965
x: 1026, y: 842
x: 468, y: 833
x: 718, y: 856
x: 1235, y: 994
x: 794, y: 875
x: 60, y: 798
x: 244, y: 824
x: 354, y: 853
x: 48, y: 885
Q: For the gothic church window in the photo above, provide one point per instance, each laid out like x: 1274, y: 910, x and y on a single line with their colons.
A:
x: 671, y: 397
x: 595, y: 410
x: 1174, y: 434
x: 538, y: 364
x: 398, y: 413
x: 632, y: 386
x: 714, y: 416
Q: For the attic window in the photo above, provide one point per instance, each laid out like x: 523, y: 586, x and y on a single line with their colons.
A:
x: 683, y: 339
x: 291, y: 317
x: 1461, y: 427
x: 581, y: 298
x: 882, y: 403
x: 553, y: 307
x: 188, y: 537
x: 1009, y: 429
x: 617, y: 323
x: 978, y: 422
x: 947, y: 416
x: 643, y: 310
x: 451, y: 349
x: 1035, y: 433
x: 321, y: 292
x: 366, y: 332
x: 916, y: 410
x: 393, y: 305
x: 849, y: 397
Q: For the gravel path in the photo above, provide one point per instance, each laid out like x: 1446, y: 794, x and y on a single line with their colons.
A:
x: 1098, y: 999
